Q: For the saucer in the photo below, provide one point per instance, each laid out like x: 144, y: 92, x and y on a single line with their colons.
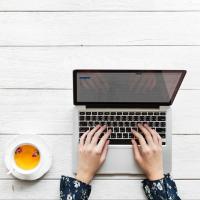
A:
x: 43, y: 148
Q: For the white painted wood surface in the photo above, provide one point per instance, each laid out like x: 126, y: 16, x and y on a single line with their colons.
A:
x: 100, y: 5
x: 99, y: 28
x: 42, y: 41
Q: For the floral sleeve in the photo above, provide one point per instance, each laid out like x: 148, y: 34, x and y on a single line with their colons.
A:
x: 72, y: 189
x: 163, y: 189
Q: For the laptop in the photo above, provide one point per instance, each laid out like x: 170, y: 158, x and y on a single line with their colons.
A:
x: 121, y: 99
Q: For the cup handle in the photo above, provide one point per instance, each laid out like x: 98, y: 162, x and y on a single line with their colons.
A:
x: 9, y: 172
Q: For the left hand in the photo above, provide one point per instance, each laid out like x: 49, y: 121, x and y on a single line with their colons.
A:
x: 92, y: 153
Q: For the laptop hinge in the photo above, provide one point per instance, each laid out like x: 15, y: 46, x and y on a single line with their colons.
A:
x: 156, y: 106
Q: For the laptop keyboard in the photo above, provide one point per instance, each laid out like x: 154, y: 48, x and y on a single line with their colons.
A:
x: 121, y: 123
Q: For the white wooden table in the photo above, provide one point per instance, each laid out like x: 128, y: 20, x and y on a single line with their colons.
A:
x: 42, y: 41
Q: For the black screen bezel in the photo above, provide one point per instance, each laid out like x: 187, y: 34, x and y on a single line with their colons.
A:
x: 124, y: 104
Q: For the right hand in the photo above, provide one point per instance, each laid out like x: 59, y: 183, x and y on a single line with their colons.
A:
x: 148, y: 154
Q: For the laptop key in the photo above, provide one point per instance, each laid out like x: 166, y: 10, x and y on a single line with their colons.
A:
x: 88, y: 113
x: 133, y: 124
x: 113, y: 113
x: 153, y: 118
x: 156, y: 124
x: 88, y: 118
x: 116, y: 129
x: 94, y: 118
x: 112, y: 118
x: 161, y: 118
x: 82, y: 113
x: 122, y: 129
x: 113, y: 135
x: 120, y: 124
x: 160, y: 130
x: 96, y: 123
x: 138, y: 113
x: 120, y: 142
x: 126, y: 124
x: 147, y: 118
x: 100, y: 113
x: 81, y: 118
x: 128, y: 129
x: 162, y: 124
x: 162, y: 135
x: 130, y: 118
x: 82, y: 123
x: 130, y: 135
x: 144, y: 113
x: 83, y: 129
x: 117, y: 118
x: 94, y: 113
x: 135, y: 118
x: 119, y: 135
x: 125, y: 135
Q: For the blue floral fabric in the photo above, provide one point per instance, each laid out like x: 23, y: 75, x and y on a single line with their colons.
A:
x: 163, y: 189
x: 72, y: 189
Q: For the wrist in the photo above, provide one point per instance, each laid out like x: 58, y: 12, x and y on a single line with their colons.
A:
x: 83, y: 177
x: 155, y: 176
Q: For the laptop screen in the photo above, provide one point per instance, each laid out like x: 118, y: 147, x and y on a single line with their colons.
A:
x: 126, y: 86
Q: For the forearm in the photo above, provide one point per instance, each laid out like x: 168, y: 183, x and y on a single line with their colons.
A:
x: 161, y: 189
x: 72, y: 189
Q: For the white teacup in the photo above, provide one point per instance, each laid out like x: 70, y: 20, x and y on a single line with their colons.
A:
x: 45, y: 157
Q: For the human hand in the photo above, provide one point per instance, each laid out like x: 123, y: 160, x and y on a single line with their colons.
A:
x: 92, y: 153
x: 148, y: 154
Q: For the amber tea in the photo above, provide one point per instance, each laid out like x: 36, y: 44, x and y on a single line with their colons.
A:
x: 27, y: 157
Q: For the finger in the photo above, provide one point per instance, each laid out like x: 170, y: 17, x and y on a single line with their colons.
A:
x: 140, y: 138
x: 97, y: 134
x: 103, y: 140
x: 147, y: 134
x: 105, y: 151
x: 153, y: 133
x: 82, y: 139
x: 159, y: 140
x: 136, y: 151
x: 91, y: 133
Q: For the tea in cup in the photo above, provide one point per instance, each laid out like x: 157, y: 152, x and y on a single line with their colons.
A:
x: 27, y: 157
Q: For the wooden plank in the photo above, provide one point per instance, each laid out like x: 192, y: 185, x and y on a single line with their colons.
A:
x: 93, y: 28
x: 183, y: 147
x: 101, y: 189
x: 103, y: 5
x: 44, y: 67
x: 50, y: 112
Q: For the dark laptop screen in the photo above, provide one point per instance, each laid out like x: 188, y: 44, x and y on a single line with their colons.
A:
x: 114, y: 86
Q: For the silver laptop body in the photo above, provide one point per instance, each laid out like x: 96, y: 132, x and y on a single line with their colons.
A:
x: 120, y: 158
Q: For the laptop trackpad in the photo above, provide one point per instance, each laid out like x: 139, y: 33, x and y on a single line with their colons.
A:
x: 120, y: 160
